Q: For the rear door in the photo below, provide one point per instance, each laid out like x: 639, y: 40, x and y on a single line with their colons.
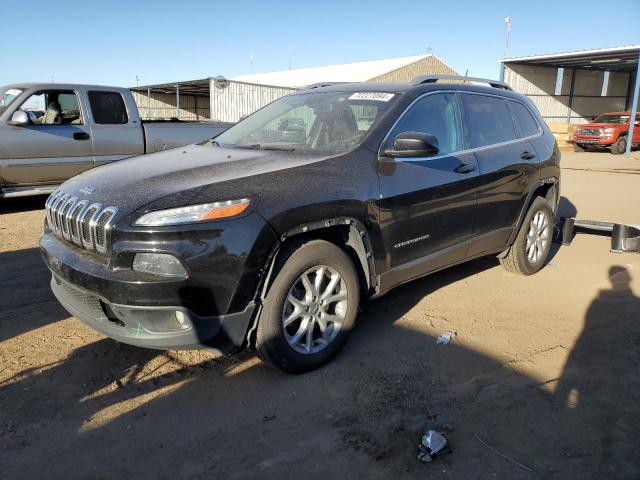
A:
x: 55, y: 147
x: 506, y: 162
x: 116, y: 126
x: 427, y: 205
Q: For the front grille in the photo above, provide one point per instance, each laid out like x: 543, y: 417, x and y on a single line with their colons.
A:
x: 589, y: 132
x: 85, y: 224
x: 87, y: 301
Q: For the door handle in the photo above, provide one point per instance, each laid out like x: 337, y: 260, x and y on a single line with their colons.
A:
x: 81, y: 136
x: 527, y: 155
x: 465, y: 168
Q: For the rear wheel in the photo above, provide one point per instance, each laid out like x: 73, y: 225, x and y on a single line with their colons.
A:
x: 309, y: 309
x: 620, y: 146
x: 529, y: 252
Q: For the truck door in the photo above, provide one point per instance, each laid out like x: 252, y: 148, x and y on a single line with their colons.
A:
x: 116, y: 126
x: 54, y: 147
x: 427, y: 205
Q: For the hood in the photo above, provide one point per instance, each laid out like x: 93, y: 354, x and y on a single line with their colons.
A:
x: 135, y: 182
x: 600, y: 125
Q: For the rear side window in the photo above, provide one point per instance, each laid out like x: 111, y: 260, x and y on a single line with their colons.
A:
x: 488, y: 120
x: 524, y: 119
x: 108, y: 108
x: 436, y: 114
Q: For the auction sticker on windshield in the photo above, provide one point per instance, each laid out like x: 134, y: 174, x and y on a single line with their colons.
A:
x: 379, y: 96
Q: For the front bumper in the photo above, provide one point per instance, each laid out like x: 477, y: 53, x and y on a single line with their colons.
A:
x: 604, y: 142
x: 154, y: 327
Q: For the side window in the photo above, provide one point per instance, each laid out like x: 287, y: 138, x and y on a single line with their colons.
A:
x: 108, y: 108
x: 53, y: 107
x: 487, y: 119
x: 436, y: 114
x: 524, y: 119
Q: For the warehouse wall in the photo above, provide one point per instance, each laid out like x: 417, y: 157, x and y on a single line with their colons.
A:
x: 539, y: 84
x: 163, y: 105
x: 429, y: 65
x: 239, y: 99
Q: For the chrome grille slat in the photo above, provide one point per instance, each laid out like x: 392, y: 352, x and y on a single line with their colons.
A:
x: 64, y: 215
x: 85, y: 224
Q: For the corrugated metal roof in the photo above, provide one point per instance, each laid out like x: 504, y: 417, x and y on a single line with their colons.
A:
x: 346, y: 72
x: 614, y: 58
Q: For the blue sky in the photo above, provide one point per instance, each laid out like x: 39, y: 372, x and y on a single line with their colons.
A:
x: 110, y: 42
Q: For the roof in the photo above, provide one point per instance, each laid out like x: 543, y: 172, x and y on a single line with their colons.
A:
x: 345, y: 72
x: 622, y: 59
x: 191, y: 87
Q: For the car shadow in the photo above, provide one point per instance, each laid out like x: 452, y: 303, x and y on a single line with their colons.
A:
x: 27, y: 300
x: 120, y: 408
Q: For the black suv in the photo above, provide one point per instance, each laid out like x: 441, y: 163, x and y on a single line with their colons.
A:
x: 271, y: 234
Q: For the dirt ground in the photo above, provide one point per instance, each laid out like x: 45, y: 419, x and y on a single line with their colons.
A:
x: 544, y: 369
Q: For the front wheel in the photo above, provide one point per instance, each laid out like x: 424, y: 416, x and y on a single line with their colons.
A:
x: 310, y: 308
x: 620, y: 146
x: 529, y: 252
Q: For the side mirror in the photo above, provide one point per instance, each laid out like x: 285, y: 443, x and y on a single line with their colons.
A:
x: 414, y: 144
x: 19, y: 119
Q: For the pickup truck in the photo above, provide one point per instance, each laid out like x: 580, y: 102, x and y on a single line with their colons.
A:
x: 52, y: 132
x: 609, y: 130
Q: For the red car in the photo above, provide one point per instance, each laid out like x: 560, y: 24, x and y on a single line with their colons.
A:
x: 610, y: 130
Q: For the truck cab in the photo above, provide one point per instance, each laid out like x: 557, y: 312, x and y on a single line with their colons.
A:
x: 52, y: 132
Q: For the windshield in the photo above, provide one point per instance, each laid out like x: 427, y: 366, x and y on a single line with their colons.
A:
x: 7, y: 96
x: 608, y: 118
x: 323, y: 123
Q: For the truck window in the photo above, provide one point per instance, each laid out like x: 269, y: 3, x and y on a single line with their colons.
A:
x: 53, y: 107
x: 524, y: 119
x: 436, y: 114
x: 108, y: 108
x: 488, y: 120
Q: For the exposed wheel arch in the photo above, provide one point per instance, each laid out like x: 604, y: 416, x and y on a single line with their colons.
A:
x: 347, y: 233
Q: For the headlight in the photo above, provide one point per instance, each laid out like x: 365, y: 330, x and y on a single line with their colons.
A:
x: 609, y: 130
x: 194, y: 213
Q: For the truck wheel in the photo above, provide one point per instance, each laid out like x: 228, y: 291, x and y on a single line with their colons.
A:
x: 529, y: 252
x: 578, y: 148
x: 620, y: 146
x: 310, y: 308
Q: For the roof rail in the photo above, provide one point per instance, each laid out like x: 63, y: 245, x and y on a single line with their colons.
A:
x: 321, y: 84
x: 434, y: 78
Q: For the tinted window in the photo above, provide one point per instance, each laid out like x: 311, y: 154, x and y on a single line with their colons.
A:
x: 435, y: 114
x: 524, y: 119
x: 108, y: 108
x: 487, y: 119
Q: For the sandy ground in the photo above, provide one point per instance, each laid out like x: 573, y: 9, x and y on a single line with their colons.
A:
x: 544, y: 369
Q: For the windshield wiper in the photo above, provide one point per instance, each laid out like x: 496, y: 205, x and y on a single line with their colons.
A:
x: 257, y: 146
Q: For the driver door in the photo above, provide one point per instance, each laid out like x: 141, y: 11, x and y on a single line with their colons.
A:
x: 53, y: 148
x: 427, y: 205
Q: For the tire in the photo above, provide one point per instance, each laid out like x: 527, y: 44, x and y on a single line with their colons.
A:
x: 578, y: 148
x: 620, y: 146
x: 519, y: 258
x: 280, y: 322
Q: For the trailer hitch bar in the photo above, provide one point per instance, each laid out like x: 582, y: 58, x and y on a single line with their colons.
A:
x: 624, y: 238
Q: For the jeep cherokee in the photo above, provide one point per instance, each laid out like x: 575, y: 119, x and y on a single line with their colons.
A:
x: 270, y: 235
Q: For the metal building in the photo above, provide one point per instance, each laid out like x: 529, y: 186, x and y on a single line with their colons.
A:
x: 228, y: 100
x: 573, y: 87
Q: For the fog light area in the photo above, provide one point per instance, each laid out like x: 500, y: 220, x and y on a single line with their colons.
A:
x: 161, y: 264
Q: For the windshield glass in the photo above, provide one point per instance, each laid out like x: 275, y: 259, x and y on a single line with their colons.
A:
x: 608, y: 118
x: 323, y: 123
x: 7, y: 96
